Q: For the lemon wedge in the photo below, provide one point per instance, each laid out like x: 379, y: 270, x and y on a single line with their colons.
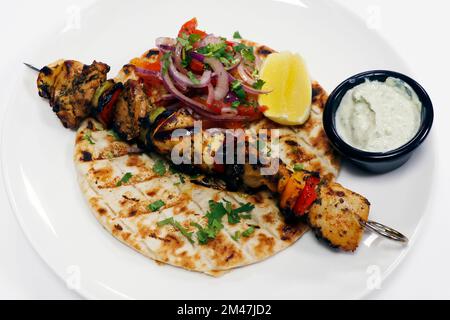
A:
x: 289, y: 102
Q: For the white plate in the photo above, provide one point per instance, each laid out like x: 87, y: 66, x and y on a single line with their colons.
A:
x: 41, y: 182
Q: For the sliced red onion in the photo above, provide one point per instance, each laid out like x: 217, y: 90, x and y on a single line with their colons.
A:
x: 231, y: 97
x: 196, y: 106
x: 185, y: 80
x: 258, y: 61
x: 249, y: 89
x: 145, y: 72
x: 244, y: 75
x: 210, y: 98
x: 222, y: 88
x: 168, y: 97
x: 197, y: 56
x: 210, y: 39
x: 177, y: 58
x: 165, y: 43
x: 238, y: 58
x: 229, y: 110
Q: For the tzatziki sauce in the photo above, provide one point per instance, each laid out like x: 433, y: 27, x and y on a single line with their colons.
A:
x: 377, y: 116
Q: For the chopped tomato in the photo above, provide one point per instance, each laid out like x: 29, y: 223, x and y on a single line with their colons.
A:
x: 249, y: 111
x: 190, y: 27
x: 201, y: 33
x: 263, y: 108
x: 196, y: 66
x: 307, y: 197
x: 106, y: 115
x: 144, y: 64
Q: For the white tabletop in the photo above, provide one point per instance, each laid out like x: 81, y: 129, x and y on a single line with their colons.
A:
x: 418, y: 30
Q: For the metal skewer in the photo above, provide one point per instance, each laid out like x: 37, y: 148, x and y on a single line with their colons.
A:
x: 383, y: 230
x: 32, y: 67
x: 374, y: 226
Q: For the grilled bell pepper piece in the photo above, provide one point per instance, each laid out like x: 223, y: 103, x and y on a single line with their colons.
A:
x: 307, y: 196
x: 291, y: 191
x: 106, y: 102
x: 100, y: 90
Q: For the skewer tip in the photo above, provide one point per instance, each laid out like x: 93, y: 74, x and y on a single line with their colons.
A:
x: 32, y: 67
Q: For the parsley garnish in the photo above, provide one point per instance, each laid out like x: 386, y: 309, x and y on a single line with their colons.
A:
x: 234, y: 214
x: 236, y: 236
x: 88, y: 137
x: 235, y: 104
x: 188, y: 41
x: 245, y: 207
x: 245, y: 51
x: 158, y: 204
x: 259, y: 84
x: 165, y: 62
x: 193, y: 38
x: 217, y: 210
x: 298, y: 167
x: 193, y: 78
x: 204, y: 234
x: 236, y: 87
x: 218, y: 51
x: 237, y: 35
x: 159, y: 168
x: 248, y: 232
x: 126, y: 177
x: 184, y: 41
x: 177, y: 226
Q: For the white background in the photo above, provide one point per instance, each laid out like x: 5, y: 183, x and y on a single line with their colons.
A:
x: 419, y: 32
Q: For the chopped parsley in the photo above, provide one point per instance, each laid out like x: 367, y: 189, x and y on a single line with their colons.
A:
x: 193, y: 38
x: 217, y: 210
x: 238, y: 89
x: 193, y: 78
x: 235, y: 104
x: 204, y: 234
x: 258, y: 84
x: 88, y: 137
x: 298, y: 167
x: 237, y: 35
x: 248, y: 232
x: 188, y: 41
x: 234, y: 215
x: 158, y: 204
x: 165, y: 62
x: 245, y: 51
x: 236, y: 236
x: 171, y: 221
x: 219, y: 51
x: 159, y: 168
x: 126, y: 177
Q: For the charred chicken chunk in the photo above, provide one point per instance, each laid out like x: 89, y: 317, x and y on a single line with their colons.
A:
x: 335, y: 216
x: 132, y: 107
x: 70, y: 86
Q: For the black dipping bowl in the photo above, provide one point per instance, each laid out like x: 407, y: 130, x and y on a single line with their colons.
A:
x: 377, y: 162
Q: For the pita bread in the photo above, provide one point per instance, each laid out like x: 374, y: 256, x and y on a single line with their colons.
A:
x: 102, y: 161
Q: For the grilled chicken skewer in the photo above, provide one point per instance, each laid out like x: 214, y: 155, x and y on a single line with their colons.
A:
x: 336, y: 214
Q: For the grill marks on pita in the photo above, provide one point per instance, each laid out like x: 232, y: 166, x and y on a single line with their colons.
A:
x: 124, y: 210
